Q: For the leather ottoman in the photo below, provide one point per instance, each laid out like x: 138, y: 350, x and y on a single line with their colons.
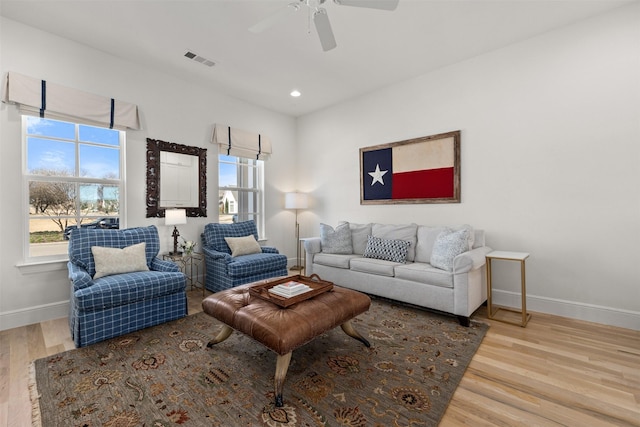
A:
x: 285, y: 329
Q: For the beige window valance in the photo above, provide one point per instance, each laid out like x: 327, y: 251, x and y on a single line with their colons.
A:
x: 39, y: 97
x: 240, y: 143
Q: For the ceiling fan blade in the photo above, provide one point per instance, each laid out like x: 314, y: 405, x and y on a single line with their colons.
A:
x: 274, y: 18
x: 323, y: 27
x: 371, y: 4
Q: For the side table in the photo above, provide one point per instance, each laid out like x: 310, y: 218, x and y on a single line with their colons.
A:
x: 304, y: 253
x: 191, y: 265
x: 508, y: 256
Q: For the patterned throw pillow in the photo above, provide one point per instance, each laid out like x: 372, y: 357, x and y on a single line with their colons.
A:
x: 448, y: 245
x: 387, y: 249
x: 117, y: 261
x: 336, y: 241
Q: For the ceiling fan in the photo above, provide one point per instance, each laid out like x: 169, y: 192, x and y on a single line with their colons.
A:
x: 320, y: 16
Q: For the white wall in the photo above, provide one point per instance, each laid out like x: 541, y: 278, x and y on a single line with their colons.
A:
x: 550, y: 161
x: 171, y: 110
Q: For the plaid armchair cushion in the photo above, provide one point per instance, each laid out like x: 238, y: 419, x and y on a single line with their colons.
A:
x: 249, y: 265
x: 127, y: 288
x: 215, y: 233
x: 82, y: 239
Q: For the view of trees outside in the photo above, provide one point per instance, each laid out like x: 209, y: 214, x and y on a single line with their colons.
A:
x: 73, y: 177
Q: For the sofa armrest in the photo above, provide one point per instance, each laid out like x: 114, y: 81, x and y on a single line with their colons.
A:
x: 158, y: 264
x: 79, y: 277
x: 269, y: 250
x: 471, y: 260
x: 313, y: 245
x: 214, y: 255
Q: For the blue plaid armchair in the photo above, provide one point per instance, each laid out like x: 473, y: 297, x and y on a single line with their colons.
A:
x: 225, y: 271
x: 117, y: 304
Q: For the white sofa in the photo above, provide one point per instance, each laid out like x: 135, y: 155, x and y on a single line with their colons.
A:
x: 350, y: 257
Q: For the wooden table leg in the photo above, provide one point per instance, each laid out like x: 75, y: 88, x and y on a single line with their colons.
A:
x: 348, y: 329
x: 224, y: 333
x: 282, y: 365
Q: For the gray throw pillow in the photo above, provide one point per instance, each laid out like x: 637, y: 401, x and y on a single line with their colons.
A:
x: 448, y: 245
x: 387, y: 249
x: 336, y: 241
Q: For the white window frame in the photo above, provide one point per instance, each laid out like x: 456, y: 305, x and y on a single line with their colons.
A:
x: 242, y: 166
x: 26, y: 178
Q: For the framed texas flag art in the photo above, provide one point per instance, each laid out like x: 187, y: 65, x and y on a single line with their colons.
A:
x: 421, y: 170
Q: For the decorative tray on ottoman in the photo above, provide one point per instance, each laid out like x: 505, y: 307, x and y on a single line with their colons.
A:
x: 316, y: 284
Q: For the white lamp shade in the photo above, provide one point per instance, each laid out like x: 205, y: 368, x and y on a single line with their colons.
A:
x: 175, y: 216
x: 295, y: 201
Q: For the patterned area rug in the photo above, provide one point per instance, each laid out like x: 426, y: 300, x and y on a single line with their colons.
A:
x: 166, y: 376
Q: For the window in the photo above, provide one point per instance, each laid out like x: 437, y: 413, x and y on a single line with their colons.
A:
x: 241, y: 190
x: 72, y: 177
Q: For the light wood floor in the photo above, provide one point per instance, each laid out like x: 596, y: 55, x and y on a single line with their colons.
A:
x: 554, y: 372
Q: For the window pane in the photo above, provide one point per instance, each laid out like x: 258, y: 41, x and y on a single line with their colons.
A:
x: 228, y: 175
x: 240, y: 190
x: 50, y: 158
x: 52, y: 199
x: 100, y: 199
x: 99, y: 135
x: 228, y: 206
x: 53, y: 128
x: 46, y: 238
x: 99, y: 162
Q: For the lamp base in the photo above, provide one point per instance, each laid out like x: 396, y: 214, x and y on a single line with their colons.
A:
x: 175, y: 253
x: 297, y: 268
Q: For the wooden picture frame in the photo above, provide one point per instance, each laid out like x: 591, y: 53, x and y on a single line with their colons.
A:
x: 420, y: 170
x: 154, y: 147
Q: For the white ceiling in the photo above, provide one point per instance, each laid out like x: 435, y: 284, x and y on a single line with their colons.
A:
x: 375, y: 48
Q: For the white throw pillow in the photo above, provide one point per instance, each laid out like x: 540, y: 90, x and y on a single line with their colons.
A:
x: 246, y: 245
x: 110, y: 261
x: 448, y: 245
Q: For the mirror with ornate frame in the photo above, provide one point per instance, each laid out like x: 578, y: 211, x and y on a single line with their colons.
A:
x: 185, y: 173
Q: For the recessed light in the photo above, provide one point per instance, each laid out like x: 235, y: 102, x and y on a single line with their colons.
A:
x: 295, y: 93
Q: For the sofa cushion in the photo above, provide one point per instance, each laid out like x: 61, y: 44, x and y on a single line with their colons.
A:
x: 110, y: 261
x: 406, y: 232
x: 336, y: 241
x: 249, y: 265
x: 245, y: 245
x: 448, y: 245
x: 82, y: 239
x: 359, y: 234
x: 386, y: 249
x: 334, y: 260
x: 215, y: 233
x: 426, y: 238
x: 374, y: 266
x: 424, y: 273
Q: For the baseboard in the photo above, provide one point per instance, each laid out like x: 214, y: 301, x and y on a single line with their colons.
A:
x: 574, y: 310
x: 28, y: 316
x: 588, y: 312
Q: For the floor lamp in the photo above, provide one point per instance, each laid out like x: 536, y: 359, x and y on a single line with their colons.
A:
x: 296, y: 201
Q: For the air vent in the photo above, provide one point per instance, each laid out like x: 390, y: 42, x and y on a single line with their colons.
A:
x: 200, y: 59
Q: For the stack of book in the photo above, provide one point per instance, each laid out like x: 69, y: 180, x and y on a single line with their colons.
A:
x: 290, y: 289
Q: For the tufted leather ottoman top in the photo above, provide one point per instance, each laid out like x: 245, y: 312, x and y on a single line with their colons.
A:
x: 285, y: 329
